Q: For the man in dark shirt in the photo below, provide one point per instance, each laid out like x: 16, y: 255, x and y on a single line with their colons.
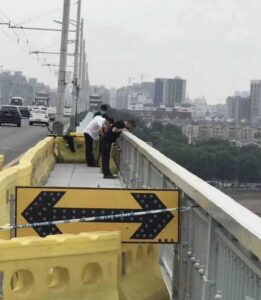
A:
x: 110, y: 137
x: 103, y: 110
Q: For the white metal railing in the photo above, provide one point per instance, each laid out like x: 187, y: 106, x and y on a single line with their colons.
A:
x: 84, y: 122
x: 219, y: 253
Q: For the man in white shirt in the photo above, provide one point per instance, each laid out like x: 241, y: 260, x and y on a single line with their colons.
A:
x: 92, y: 131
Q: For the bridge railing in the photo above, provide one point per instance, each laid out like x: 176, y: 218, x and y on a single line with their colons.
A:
x: 219, y: 253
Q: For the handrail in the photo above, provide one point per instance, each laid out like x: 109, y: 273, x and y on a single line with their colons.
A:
x: 244, y: 225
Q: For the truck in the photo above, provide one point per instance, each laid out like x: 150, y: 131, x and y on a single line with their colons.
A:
x: 41, y: 99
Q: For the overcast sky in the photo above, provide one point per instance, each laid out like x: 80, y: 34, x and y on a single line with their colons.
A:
x: 214, y: 44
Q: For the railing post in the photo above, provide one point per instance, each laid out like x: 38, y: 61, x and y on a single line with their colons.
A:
x: 180, y: 275
x: 209, y: 278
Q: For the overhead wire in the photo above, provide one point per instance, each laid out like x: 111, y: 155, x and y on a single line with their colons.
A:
x: 39, y: 16
x: 27, y: 43
x: 18, y: 40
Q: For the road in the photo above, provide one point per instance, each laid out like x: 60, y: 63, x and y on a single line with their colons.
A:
x: 14, y: 141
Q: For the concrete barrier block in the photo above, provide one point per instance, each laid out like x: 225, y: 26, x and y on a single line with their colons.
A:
x: 141, y: 275
x: 84, y: 266
x: 64, y: 154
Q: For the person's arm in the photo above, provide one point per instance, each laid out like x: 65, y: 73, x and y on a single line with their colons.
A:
x: 119, y: 127
x: 118, y: 130
x: 102, y: 131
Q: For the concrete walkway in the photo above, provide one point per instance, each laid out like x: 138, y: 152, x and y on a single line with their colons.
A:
x: 79, y: 175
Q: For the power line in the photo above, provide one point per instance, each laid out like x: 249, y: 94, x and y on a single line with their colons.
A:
x: 39, y: 16
x: 7, y: 21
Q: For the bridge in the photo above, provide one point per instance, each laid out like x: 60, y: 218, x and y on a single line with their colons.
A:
x: 217, y: 256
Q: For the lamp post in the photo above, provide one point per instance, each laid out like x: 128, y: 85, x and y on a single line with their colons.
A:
x: 62, y: 82
x: 1, y: 84
x: 75, y: 91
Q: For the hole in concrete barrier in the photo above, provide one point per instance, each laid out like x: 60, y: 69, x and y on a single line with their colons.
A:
x: 140, y: 256
x: 21, y: 281
x: 57, y: 277
x: 92, y: 273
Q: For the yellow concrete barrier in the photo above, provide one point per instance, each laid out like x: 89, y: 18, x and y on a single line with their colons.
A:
x: 42, y: 160
x: 2, y: 159
x: 61, y: 267
x: 33, y: 169
x: 9, y: 178
x: 64, y: 154
x: 141, y: 275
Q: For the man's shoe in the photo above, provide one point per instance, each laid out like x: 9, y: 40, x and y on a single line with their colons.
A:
x: 109, y: 177
x: 92, y: 166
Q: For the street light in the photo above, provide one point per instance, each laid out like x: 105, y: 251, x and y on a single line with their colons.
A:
x: 1, y: 83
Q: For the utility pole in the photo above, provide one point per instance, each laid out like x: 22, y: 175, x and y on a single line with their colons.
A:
x: 58, y: 129
x: 79, y: 96
x: 1, y: 85
x: 83, y: 80
x: 87, y: 87
x: 75, y: 71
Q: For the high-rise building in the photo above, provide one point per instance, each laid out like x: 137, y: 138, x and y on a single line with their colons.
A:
x: 169, y: 92
x: 147, y: 89
x: 16, y: 85
x: 113, y: 97
x: 158, y: 94
x: 238, y: 108
x: 255, y: 96
x: 122, y: 98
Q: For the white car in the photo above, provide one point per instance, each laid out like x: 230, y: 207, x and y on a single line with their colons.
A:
x: 39, y: 117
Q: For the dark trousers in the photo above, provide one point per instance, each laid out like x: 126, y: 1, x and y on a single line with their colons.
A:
x: 105, y: 151
x: 89, y: 150
x: 70, y: 142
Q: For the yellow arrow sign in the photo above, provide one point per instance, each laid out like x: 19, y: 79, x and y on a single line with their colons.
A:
x: 141, y: 215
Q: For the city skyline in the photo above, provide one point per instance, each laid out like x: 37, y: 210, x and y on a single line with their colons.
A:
x: 213, y: 46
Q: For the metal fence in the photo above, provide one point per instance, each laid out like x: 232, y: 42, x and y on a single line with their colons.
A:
x: 219, y: 253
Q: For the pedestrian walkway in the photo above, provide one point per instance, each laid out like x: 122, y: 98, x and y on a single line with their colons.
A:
x: 79, y: 175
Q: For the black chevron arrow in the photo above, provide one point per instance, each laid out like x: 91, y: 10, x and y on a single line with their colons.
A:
x: 43, y: 209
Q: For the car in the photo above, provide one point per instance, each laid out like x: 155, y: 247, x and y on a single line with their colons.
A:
x: 10, y: 114
x: 39, y: 117
x: 25, y: 113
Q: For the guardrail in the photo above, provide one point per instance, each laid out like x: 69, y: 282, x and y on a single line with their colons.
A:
x: 219, y: 253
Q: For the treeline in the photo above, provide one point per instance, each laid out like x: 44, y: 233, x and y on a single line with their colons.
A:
x: 211, y: 160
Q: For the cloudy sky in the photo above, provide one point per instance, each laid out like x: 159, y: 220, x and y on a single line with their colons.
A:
x: 214, y: 44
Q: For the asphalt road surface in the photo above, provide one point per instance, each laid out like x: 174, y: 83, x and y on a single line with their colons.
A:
x: 14, y: 141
